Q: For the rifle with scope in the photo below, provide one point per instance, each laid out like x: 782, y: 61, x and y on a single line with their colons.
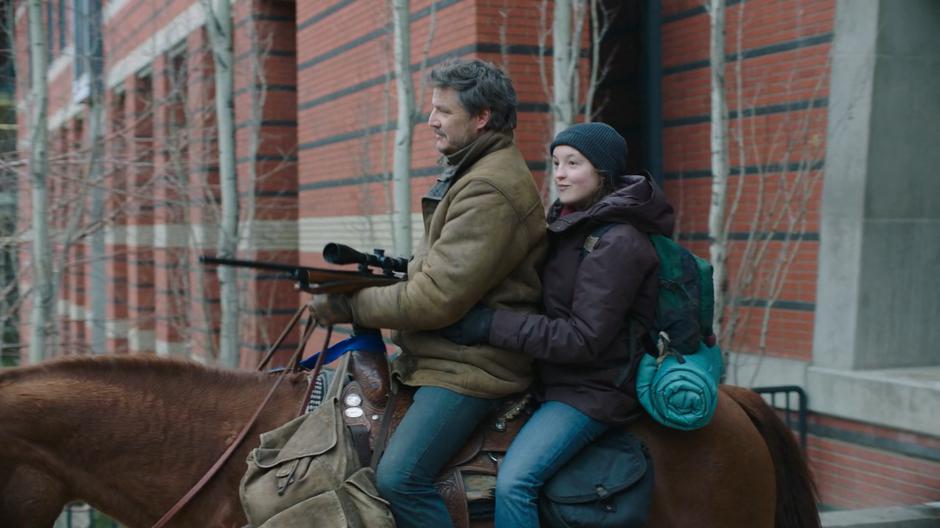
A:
x: 325, y: 280
x: 339, y: 254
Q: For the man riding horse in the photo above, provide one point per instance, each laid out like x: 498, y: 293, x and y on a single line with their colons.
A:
x: 484, y: 239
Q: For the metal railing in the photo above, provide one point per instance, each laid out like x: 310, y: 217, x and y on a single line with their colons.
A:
x: 779, y: 397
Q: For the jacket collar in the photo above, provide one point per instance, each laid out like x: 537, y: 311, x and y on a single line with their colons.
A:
x: 489, y: 141
x: 637, y: 201
x: 459, y: 162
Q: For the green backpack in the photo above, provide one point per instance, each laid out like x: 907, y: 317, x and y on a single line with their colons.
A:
x: 686, y: 305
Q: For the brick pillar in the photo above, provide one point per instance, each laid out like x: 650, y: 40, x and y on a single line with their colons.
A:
x: 58, y: 189
x: 170, y: 240
x: 140, y: 298
x: 116, y: 232
x: 203, y: 182
x: 77, y: 263
x: 267, y: 177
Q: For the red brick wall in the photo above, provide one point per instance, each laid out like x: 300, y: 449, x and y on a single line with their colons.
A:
x: 784, y: 78
x: 864, y: 466
x: 146, y: 281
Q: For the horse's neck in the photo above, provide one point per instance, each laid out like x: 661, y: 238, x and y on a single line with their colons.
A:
x: 126, y: 439
x: 81, y: 408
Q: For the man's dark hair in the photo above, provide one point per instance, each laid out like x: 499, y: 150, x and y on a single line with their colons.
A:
x: 480, y: 85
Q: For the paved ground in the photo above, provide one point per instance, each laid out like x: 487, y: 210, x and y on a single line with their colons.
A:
x: 918, y: 516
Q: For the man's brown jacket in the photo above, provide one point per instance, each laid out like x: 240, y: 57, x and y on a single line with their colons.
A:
x: 484, y: 240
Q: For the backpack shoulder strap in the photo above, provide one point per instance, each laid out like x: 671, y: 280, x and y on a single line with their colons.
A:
x: 645, y: 340
x: 593, y: 238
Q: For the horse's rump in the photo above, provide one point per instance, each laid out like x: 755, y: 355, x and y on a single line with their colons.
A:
x: 797, y: 496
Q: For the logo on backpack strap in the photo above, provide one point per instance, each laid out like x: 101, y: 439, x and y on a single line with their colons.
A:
x: 590, y: 242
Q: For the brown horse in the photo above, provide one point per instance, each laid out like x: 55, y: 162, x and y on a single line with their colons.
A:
x: 130, y: 435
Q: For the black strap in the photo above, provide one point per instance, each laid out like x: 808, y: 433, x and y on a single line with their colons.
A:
x: 381, y: 439
x: 360, y: 438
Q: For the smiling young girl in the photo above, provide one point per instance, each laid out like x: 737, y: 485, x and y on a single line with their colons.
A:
x: 599, y: 294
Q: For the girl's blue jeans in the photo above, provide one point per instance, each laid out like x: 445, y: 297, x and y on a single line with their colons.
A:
x: 551, y: 437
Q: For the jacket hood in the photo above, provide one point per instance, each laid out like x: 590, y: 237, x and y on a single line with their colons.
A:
x: 637, y: 201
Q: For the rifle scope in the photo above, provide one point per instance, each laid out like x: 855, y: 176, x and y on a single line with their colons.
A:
x: 341, y: 254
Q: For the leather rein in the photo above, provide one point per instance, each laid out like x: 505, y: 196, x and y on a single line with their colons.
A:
x: 293, y: 366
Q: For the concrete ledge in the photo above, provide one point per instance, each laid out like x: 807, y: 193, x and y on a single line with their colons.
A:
x: 916, y: 516
x: 907, y: 399
x: 901, y: 398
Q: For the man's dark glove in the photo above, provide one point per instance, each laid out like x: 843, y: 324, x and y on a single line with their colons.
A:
x: 473, y: 328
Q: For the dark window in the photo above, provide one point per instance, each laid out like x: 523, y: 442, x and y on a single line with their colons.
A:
x: 62, y: 25
x: 86, y: 24
x: 50, y: 30
x: 80, y: 32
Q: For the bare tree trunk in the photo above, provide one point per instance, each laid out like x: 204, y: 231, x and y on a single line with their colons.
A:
x: 219, y: 22
x: 568, y: 18
x: 401, y: 171
x: 594, y: 76
x: 566, y: 45
x: 42, y: 319
x: 718, y: 236
x: 563, y: 93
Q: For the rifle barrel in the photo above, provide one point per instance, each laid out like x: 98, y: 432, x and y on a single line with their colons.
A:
x: 238, y: 263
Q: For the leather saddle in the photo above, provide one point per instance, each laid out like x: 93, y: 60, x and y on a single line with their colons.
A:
x: 467, y: 482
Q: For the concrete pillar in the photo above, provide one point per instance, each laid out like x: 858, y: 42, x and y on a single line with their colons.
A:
x: 879, y: 262
x: 170, y: 240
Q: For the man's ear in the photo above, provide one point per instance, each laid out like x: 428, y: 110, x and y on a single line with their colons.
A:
x: 482, y: 119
